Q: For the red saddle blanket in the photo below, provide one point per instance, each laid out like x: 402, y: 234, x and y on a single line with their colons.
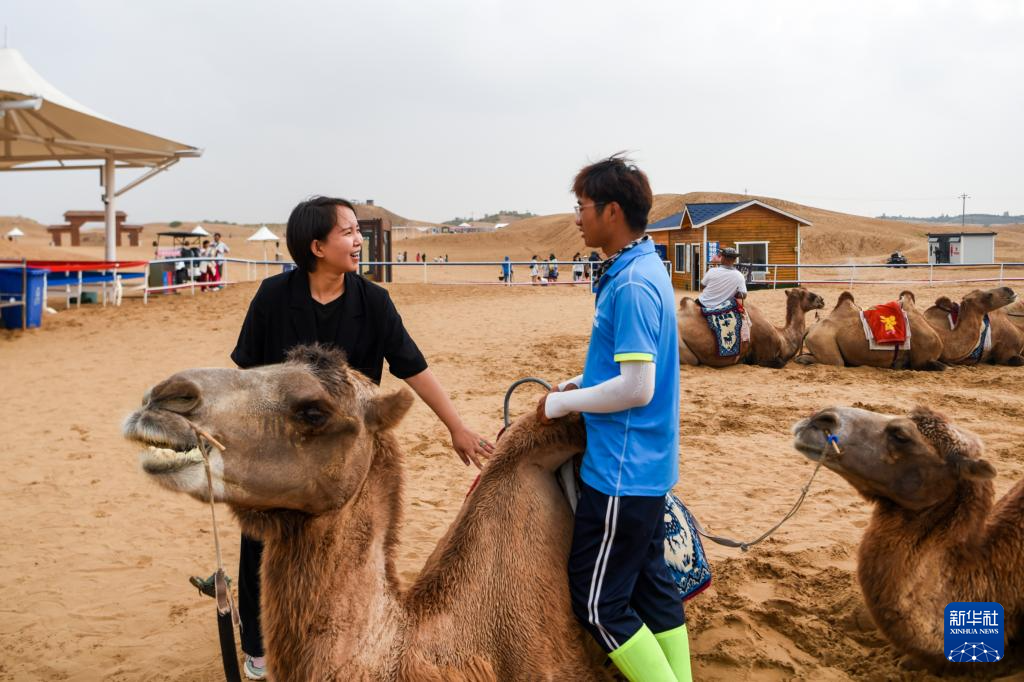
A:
x: 887, y: 322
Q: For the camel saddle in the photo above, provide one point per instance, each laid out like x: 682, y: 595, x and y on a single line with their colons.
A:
x: 729, y: 324
x: 886, y: 326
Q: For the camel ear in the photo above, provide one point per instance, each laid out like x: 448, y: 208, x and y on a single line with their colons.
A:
x: 384, y: 411
x: 975, y: 469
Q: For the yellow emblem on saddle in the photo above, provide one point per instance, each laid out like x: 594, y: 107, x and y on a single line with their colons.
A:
x: 889, y: 321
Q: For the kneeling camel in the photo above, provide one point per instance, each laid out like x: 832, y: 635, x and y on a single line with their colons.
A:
x: 960, y: 341
x: 311, y: 467
x: 839, y: 340
x: 769, y: 346
x: 936, y: 535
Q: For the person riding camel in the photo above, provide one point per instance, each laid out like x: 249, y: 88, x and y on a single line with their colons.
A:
x: 724, y: 283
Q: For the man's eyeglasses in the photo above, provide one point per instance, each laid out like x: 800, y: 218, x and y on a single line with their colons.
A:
x: 579, y: 207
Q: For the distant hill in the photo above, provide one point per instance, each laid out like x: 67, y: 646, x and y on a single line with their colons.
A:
x: 970, y: 219
x: 832, y: 238
x: 500, y: 217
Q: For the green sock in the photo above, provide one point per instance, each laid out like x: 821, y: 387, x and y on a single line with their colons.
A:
x: 640, y: 659
x: 675, y: 644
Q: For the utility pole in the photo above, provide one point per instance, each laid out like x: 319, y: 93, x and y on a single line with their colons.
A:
x: 963, y: 209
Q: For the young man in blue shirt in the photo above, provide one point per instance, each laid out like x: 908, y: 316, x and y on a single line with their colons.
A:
x: 628, y: 394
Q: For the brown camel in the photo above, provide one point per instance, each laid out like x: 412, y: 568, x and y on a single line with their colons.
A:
x: 839, y: 340
x: 772, y: 346
x: 697, y: 343
x: 311, y: 467
x: 935, y: 535
x: 960, y: 342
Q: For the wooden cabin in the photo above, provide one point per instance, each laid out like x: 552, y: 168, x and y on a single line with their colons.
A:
x: 764, y: 235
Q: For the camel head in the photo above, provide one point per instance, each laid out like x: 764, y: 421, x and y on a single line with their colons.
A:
x: 915, y: 461
x: 297, y: 436
x: 808, y: 300
x: 988, y: 300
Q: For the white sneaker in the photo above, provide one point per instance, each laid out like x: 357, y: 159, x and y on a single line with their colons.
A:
x: 253, y: 671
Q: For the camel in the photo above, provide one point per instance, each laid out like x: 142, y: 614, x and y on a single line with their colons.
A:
x: 936, y: 536
x: 839, y: 340
x: 311, y: 466
x: 960, y: 343
x: 772, y: 346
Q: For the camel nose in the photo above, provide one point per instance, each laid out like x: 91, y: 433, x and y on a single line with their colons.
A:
x: 177, y: 394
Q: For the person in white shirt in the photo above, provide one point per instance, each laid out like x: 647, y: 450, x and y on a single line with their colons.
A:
x: 723, y: 283
x: 219, y: 249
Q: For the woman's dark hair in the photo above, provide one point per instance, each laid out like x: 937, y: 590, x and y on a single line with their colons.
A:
x: 617, y: 179
x: 312, y: 220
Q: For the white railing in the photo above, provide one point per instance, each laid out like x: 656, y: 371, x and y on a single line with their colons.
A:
x: 851, y: 274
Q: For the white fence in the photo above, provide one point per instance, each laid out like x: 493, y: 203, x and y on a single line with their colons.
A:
x: 852, y: 274
x: 489, y: 273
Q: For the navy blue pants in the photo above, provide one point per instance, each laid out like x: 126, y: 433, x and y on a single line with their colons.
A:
x: 618, y: 579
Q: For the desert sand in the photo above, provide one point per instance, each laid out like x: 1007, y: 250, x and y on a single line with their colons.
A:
x: 96, y: 558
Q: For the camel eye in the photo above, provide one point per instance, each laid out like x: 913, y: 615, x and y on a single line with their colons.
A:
x: 899, y: 436
x: 312, y: 414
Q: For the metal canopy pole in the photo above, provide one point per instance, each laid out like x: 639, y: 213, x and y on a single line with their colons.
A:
x: 110, y: 247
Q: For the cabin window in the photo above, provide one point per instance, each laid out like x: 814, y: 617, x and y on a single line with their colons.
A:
x: 682, y: 258
x: 753, y: 260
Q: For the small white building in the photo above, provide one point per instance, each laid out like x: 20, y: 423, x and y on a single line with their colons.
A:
x: 962, y: 248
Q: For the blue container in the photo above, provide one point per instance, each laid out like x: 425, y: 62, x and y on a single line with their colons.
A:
x: 10, y: 287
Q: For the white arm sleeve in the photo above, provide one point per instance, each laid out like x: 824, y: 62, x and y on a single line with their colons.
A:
x: 577, y: 380
x: 634, y: 387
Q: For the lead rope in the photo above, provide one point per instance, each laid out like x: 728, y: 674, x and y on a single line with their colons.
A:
x: 227, y: 612
x: 832, y: 442
x: 566, y: 477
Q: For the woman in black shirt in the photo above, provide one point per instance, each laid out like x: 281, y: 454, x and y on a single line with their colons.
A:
x: 325, y: 300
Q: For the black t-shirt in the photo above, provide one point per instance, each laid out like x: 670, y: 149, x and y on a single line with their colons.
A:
x: 328, y: 316
x: 365, y: 324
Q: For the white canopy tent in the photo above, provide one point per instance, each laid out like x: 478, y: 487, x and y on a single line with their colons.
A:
x: 263, y: 235
x: 41, y: 128
x: 200, y: 230
x: 14, y: 233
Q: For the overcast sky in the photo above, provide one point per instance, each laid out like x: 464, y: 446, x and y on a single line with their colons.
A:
x: 458, y: 107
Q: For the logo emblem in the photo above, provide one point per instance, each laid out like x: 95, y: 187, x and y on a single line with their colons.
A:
x: 974, y: 632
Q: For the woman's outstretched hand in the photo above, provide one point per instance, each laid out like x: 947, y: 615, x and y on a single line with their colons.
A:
x: 471, y: 447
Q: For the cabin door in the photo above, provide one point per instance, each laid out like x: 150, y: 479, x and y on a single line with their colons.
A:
x: 695, y: 267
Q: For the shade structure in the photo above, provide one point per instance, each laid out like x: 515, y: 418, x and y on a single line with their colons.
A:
x: 42, y: 128
x: 263, y: 235
x: 200, y: 230
x: 14, y: 233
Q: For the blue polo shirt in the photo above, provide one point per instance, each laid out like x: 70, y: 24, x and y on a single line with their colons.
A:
x: 636, y: 451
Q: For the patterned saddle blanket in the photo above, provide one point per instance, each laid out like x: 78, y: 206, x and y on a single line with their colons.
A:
x: 727, y: 322
x: 684, y: 554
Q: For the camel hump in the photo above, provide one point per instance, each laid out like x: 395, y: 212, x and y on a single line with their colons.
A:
x: 908, y: 294
x: 843, y: 297
x: 945, y: 303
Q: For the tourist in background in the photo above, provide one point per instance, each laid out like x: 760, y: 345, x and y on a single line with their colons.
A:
x: 552, y: 268
x: 507, y: 271
x: 534, y: 271
x: 577, y: 267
